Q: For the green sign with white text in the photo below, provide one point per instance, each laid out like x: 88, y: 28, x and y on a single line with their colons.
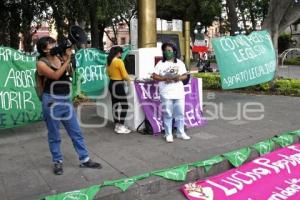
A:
x: 245, y: 60
x: 19, y: 103
x: 91, y: 65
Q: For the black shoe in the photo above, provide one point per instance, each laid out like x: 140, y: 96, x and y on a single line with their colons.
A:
x: 90, y: 164
x: 58, y: 169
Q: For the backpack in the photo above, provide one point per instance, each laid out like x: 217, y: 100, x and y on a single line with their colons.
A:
x: 40, y: 80
x: 148, y: 128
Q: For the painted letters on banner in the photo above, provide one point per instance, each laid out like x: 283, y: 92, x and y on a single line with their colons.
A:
x: 273, y: 176
x: 149, y: 99
x: 19, y: 104
x: 245, y: 60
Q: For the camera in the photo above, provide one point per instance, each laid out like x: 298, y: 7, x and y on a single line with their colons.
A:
x: 61, y: 48
x: 76, y: 36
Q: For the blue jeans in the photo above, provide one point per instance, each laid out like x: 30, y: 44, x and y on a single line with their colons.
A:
x: 173, y: 108
x: 58, y: 109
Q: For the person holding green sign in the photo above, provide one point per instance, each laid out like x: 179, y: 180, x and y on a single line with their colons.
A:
x: 56, y: 104
x: 118, y: 74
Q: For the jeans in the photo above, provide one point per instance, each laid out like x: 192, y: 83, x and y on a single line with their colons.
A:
x: 173, y: 108
x: 58, y: 109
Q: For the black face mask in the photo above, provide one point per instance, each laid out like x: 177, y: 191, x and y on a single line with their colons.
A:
x: 56, y: 51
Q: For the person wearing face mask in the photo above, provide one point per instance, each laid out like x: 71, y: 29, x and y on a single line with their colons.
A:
x: 170, y: 72
x: 55, y: 71
x: 118, y: 74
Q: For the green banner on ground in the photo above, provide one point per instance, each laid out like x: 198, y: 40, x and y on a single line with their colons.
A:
x: 264, y: 147
x: 283, y: 140
x: 238, y: 157
x: 207, y: 164
x: 83, y: 194
x: 19, y: 103
x: 125, y: 183
x: 245, y: 60
x: 296, y: 132
x: 176, y: 174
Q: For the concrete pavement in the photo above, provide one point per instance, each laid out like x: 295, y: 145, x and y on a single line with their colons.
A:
x: 25, y: 163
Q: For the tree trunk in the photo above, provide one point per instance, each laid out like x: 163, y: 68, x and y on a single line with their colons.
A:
x: 101, y: 28
x: 27, y: 39
x: 252, y: 17
x: 14, y: 29
x: 232, y: 16
x: 242, y: 9
x: 277, y: 10
x: 115, y: 31
x: 4, y: 23
x: 94, y: 24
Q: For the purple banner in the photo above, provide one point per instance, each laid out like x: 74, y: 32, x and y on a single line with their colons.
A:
x: 149, y: 99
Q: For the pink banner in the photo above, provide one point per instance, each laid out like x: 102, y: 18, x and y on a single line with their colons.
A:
x: 274, y: 176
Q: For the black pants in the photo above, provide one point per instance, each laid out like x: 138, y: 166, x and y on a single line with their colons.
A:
x: 118, y: 98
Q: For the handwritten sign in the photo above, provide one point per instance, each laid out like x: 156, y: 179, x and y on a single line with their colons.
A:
x: 245, y: 60
x: 91, y: 64
x: 149, y: 100
x: 19, y: 104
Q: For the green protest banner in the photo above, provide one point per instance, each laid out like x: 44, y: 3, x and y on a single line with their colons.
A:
x: 264, y: 147
x: 207, y: 164
x: 125, y: 183
x: 238, y: 157
x: 176, y: 174
x: 19, y: 103
x: 245, y: 60
x: 91, y: 64
x: 83, y: 194
x: 284, y: 140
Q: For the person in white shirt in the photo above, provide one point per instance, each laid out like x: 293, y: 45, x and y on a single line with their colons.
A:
x: 170, y: 72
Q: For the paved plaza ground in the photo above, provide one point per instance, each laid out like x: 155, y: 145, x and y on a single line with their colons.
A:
x: 25, y: 163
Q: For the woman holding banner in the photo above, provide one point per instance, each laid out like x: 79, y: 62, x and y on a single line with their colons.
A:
x: 170, y: 72
x: 118, y: 74
x: 53, y: 69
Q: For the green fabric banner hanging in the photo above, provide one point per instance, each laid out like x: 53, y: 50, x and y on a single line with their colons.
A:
x: 19, y: 104
x: 76, y: 81
x: 83, y: 194
x: 176, y: 173
x: 284, y: 140
x: 91, y: 64
x: 207, y: 164
x: 125, y: 183
x: 264, y: 147
x: 245, y: 60
x: 238, y: 157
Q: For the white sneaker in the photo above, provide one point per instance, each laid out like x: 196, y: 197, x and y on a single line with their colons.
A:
x: 117, y: 127
x: 183, y: 136
x: 169, y: 138
x: 122, y: 130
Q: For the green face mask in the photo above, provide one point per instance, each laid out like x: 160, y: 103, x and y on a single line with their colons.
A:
x: 168, y: 55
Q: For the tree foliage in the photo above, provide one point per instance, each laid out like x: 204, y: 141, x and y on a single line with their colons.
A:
x: 24, y: 16
x: 204, y: 11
